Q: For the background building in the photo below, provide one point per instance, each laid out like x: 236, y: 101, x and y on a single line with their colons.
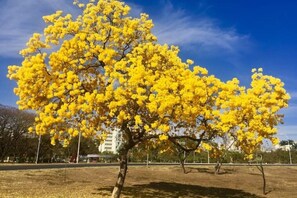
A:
x: 112, y: 142
x: 283, y: 147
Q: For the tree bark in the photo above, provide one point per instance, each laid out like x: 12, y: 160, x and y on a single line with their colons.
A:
x: 264, y: 180
x: 218, y: 167
x: 122, y: 174
x: 261, y: 169
x: 182, y: 158
x: 182, y: 163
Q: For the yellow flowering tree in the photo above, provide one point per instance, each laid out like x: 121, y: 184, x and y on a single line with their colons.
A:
x: 100, y: 71
x: 200, y: 115
x: 252, y: 114
x: 104, y: 70
x: 219, y: 111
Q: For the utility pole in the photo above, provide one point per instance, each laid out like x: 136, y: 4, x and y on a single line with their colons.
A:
x: 147, y: 159
x: 38, y: 149
x: 290, y: 156
x: 78, y: 147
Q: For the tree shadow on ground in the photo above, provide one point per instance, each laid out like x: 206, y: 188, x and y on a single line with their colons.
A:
x: 209, y: 171
x: 199, y: 170
x: 177, y: 190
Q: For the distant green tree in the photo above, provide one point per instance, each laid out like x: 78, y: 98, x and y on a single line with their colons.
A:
x: 14, y: 126
x: 87, y: 146
x: 287, y: 142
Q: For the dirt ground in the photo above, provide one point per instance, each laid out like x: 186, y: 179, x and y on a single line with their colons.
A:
x: 152, y: 182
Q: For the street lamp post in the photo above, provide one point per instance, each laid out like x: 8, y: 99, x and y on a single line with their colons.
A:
x: 147, y: 159
x: 78, y: 147
x: 290, y: 156
x: 38, y: 149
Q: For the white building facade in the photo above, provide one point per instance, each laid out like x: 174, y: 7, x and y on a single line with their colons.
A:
x: 283, y: 147
x: 112, y: 142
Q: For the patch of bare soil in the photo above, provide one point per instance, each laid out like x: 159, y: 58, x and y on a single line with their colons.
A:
x: 152, y: 182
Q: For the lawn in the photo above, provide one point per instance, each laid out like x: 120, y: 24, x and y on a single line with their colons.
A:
x: 162, y: 182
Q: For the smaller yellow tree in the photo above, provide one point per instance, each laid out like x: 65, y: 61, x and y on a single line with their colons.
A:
x: 227, y: 110
x: 252, y: 114
x: 200, y: 113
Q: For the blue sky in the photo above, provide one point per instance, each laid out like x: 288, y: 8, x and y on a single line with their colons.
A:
x: 229, y: 38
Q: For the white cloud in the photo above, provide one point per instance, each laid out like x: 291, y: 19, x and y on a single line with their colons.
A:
x: 287, y: 132
x: 174, y: 26
x: 290, y: 111
x: 19, y: 19
x: 136, y: 10
x: 293, y: 95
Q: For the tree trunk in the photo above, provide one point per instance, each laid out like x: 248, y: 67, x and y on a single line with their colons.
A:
x: 264, y: 180
x: 182, y: 158
x: 122, y: 175
x: 261, y: 169
x: 218, y: 167
x: 182, y: 163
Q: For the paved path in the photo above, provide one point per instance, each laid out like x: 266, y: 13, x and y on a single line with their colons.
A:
x: 50, y: 166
